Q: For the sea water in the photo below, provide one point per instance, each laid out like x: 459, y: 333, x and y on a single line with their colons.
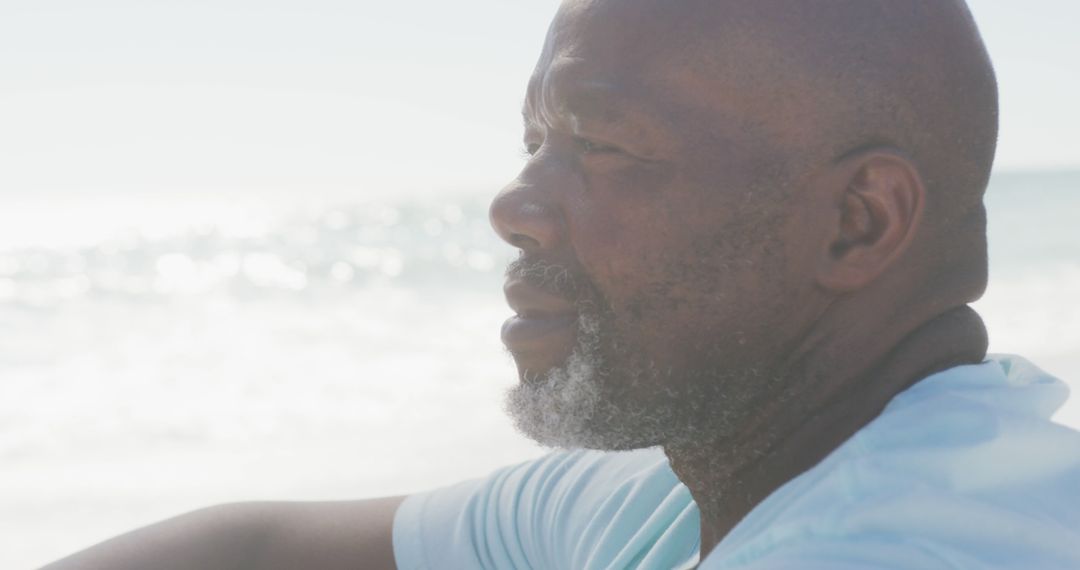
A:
x: 160, y: 353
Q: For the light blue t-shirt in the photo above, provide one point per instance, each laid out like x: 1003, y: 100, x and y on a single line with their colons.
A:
x: 963, y: 470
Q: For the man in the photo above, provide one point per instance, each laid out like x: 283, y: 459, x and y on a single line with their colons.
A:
x: 749, y: 231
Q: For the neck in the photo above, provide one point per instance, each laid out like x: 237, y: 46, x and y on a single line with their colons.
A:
x: 831, y: 398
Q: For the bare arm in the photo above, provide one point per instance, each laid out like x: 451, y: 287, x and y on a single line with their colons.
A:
x: 269, y: 536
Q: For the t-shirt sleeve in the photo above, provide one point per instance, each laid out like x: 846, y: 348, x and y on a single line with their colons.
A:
x: 564, y: 510
x: 417, y: 540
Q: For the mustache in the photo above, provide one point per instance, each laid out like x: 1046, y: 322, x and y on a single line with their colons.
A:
x: 558, y: 280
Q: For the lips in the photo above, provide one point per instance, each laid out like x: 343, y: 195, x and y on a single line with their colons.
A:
x: 541, y: 334
x: 529, y: 301
x: 527, y: 334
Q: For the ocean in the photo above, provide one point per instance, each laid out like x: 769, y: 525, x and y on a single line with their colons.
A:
x: 159, y: 353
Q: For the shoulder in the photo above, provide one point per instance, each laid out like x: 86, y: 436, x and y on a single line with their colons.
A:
x: 966, y: 469
x: 566, y: 509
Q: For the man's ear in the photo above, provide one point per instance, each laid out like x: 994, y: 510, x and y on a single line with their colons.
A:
x: 879, y: 202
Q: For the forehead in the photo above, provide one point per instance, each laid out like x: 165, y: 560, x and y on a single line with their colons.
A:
x: 600, y: 46
x: 630, y: 28
x: 694, y: 64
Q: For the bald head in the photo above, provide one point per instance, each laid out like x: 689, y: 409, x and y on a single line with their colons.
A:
x: 800, y: 83
x: 845, y: 74
x: 909, y: 75
x: 913, y: 75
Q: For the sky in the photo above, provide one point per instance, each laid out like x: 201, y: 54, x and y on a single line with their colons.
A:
x: 329, y: 96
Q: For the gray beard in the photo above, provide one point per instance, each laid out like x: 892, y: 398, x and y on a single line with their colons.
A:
x: 588, y: 403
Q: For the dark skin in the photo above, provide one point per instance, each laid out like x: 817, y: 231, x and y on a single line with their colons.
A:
x: 640, y: 151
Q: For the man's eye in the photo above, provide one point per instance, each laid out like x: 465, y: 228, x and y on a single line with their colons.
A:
x: 531, y: 148
x: 591, y: 147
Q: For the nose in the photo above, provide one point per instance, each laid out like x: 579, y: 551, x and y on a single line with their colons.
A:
x: 526, y: 213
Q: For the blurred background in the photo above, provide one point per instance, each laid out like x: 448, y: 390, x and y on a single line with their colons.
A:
x: 244, y: 251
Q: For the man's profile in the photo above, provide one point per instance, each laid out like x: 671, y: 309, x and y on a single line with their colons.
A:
x: 749, y: 233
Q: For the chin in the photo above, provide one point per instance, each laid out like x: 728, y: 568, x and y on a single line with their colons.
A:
x: 532, y: 368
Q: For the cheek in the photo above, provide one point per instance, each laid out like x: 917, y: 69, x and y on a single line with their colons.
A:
x: 665, y: 256
x: 649, y: 243
x: 690, y: 300
x: 667, y: 301
x: 622, y: 228
x: 628, y: 259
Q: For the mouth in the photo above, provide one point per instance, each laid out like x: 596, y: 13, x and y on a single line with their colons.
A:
x: 541, y: 334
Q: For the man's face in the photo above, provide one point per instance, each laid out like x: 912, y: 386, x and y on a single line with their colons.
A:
x: 659, y: 275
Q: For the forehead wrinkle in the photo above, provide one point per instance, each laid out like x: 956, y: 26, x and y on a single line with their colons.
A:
x: 586, y: 102
x: 642, y: 46
x: 724, y: 63
x: 557, y: 97
x: 557, y: 92
x: 570, y: 97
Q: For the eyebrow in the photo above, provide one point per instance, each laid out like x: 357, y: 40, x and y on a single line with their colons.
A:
x: 595, y: 104
x: 592, y: 101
